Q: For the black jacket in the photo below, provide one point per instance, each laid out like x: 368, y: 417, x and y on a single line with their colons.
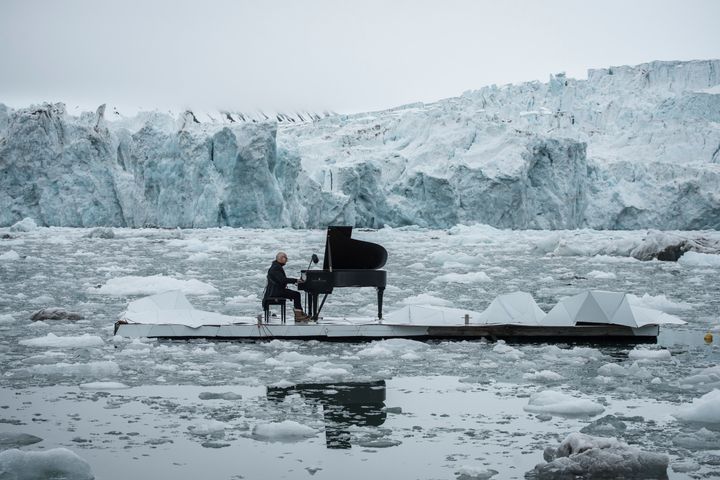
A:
x: 276, y: 280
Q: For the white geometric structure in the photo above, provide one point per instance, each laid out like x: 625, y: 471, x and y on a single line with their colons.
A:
x: 517, y: 308
x: 429, y: 315
x: 173, y: 308
x: 597, y: 306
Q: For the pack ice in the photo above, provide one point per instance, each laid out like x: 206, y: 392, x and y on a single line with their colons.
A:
x: 626, y: 148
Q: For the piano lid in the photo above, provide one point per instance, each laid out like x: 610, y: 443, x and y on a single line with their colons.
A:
x: 345, y: 253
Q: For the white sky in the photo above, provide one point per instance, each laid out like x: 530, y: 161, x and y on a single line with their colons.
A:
x: 339, y: 55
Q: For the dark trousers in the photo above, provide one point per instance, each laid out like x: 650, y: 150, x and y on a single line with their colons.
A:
x: 292, y: 295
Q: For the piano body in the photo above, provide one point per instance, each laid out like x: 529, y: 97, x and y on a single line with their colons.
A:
x: 347, y: 263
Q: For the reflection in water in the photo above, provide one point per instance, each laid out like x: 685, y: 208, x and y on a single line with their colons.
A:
x: 344, y: 404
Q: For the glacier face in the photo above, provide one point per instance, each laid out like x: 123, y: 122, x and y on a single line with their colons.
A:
x: 630, y: 147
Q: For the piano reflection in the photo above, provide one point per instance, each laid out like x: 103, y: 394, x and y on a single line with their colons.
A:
x: 345, y: 404
x: 347, y: 263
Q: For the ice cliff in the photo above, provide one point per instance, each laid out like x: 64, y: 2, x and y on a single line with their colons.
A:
x: 630, y: 147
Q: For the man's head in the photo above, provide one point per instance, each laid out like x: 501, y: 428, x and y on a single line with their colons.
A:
x: 281, y: 258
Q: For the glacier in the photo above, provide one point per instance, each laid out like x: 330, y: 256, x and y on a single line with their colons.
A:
x: 631, y: 147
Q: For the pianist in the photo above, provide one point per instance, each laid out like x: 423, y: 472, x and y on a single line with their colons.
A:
x: 277, y: 283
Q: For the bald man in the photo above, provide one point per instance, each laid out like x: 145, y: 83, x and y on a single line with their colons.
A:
x: 277, y: 286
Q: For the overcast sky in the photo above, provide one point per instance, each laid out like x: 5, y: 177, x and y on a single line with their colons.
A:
x: 339, y: 55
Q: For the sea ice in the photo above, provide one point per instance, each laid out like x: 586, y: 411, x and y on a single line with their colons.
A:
x: 211, y: 428
x: 25, y: 225
x: 425, y: 299
x: 704, y: 409
x: 286, y: 431
x: 103, y: 386
x: 649, y: 355
x: 543, y: 376
x: 703, y: 439
x: 597, y: 274
x: 154, y: 284
x: 14, y: 440
x: 584, y: 456
x: 554, y: 402
x: 696, y: 259
x: 468, y: 472
x: 219, y: 396
x: 394, y: 347
x: 53, y: 341
x: 55, y: 463
x: 9, y: 256
x: 471, y: 277
x: 659, y: 302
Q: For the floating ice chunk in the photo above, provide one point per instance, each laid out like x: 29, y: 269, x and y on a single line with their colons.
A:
x: 14, y: 440
x: 547, y: 244
x: 154, y: 284
x: 551, y: 401
x: 219, y: 396
x: 286, y: 431
x: 211, y: 428
x: 327, y: 370
x: 54, y: 463
x: 91, y: 369
x: 53, y: 341
x: 394, y: 347
x: 543, y: 376
x: 103, y: 386
x: 295, y: 357
x: 583, y: 456
x: 198, y: 257
x: 55, y: 313
x: 650, y: 355
x: 703, y: 439
x: 704, y: 409
x: 101, y: 232
x: 708, y: 377
x: 612, y: 370
x: 468, y: 472
x: 659, y: 302
x: 426, y: 299
x: 696, y: 259
x: 10, y: 256
x: 685, y: 466
x: 507, y: 352
x: 599, y: 275
x: 6, y: 319
x: 25, y: 225
x: 607, y: 426
x: 471, y: 277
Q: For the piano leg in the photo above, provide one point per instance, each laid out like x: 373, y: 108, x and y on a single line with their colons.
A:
x: 380, y: 291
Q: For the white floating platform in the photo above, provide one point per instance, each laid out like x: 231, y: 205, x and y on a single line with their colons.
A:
x: 591, y: 317
x: 378, y: 331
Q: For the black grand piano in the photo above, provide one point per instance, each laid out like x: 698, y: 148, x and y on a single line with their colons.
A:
x: 347, y: 263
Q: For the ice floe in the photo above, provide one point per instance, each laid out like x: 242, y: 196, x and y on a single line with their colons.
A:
x: 53, y: 341
x: 554, y: 402
x: 54, y: 463
x: 584, y: 456
x: 705, y: 409
x: 285, y: 431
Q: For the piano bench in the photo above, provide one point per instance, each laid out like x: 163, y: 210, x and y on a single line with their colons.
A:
x: 274, y: 301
